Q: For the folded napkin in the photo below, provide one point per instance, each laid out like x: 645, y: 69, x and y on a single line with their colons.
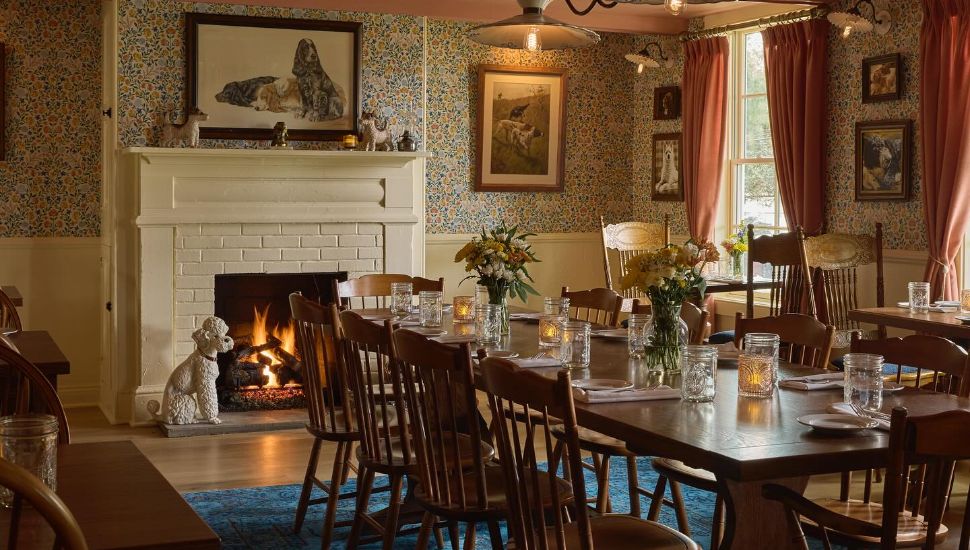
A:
x: 727, y: 351
x: 814, y: 382
x: 616, y: 396
x: 947, y: 303
x: 845, y: 408
x: 529, y: 363
x: 455, y: 338
x: 523, y: 316
x: 408, y: 323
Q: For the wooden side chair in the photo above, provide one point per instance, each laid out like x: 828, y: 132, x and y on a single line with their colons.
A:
x: 329, y: 408
x: 375, y: 290
x: 836, y: 258
x: 598, y: 306
x: 28, y: 488
x: 527, y: 482
x: 695, y: 317
x: 804, y: 339
x: 934, y: 443
x: 9, y: 318
x: 24, y: 389
x: 792, y: 289
x: 628, y: 239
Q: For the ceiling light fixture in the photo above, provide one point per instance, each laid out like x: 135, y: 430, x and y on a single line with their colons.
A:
x: 533, y: 31
x: 675, y: 7
x: 643, y: 59
x: 853, y: 21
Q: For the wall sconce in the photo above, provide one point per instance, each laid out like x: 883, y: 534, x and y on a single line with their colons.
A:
x: 643, y: 58
x: 853, y: 20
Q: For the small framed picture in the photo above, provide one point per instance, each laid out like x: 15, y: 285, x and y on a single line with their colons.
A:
x: 882, y: 78
x: 883, y: 160
x: 668, y: 183
x: 666, y: 102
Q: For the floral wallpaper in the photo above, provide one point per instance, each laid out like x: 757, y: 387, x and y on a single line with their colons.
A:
x: 50, y: 183
x: 903, y: 226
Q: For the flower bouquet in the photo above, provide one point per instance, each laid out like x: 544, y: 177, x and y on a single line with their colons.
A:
x: 735, y: 246
x: 500, y: 258
x: 668, y: 276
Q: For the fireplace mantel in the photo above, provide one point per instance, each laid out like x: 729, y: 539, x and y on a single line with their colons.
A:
x: 182, y: 215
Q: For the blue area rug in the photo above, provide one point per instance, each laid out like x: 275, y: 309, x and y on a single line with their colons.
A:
x: 262, y: 517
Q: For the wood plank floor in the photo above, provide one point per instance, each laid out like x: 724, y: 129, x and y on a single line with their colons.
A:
x: 276, y: 458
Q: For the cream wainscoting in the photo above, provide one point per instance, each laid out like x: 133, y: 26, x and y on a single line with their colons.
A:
x: 60, y: 279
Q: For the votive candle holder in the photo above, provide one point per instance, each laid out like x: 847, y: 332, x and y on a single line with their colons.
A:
x: 464, y: 309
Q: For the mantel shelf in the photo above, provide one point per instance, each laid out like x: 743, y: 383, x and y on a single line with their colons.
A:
x: 271, y: 153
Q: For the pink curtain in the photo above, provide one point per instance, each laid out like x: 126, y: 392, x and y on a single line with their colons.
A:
x: 945, y: 127
x: 797, y: 100
x: 705, y: 109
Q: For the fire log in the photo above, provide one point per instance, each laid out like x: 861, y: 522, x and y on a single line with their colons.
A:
x: 246, y: 351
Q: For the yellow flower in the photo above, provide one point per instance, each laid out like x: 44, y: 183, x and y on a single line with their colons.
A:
x: 465, y: 251
x: 741, y: 247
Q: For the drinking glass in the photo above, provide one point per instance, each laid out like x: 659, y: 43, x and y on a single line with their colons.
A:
x: 555, y: 305
x: 481, y: 294
x: 29, y: 441
x: 401, y: 299
x: 758, y: 365
x: 574, y: 348
x: 550, y: 330
x: 637, y: 334
x: 488, y: 323
x: 965, y: 301
x: 919, y: 297
x: 698, y: 366
x: 863, y: 380
x: 429, y: 307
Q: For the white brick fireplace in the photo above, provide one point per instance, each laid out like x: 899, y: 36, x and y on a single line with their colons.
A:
x: 183, y: 216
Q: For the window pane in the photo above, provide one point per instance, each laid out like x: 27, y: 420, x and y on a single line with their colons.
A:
x: 754, y: 64
x: 757, y: 193
x: 757, y: 128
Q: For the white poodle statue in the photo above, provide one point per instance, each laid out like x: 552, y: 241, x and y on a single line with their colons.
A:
x: 196, y: 375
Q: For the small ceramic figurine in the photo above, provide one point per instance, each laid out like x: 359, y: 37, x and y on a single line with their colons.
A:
x: 175, y: 135
x: 280, y: 132
x: 376, y: 135
x: 407, y: 143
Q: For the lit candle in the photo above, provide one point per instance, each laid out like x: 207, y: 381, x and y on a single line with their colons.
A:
x: 755, y: 375
x: 350, y: 141
x: 464, y: 309
x: 550, y: 330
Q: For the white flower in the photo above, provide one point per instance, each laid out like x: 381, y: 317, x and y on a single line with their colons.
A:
x: 508, y: 276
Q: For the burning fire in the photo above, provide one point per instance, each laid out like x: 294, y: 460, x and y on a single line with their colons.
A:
x: 261, y: 333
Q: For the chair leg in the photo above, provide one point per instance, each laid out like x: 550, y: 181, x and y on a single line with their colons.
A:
x: 439, y: 540
x: 469, y: 537
x: 393, y: 511
x: 717, y: 529
x: 559, y: 457
x: 682, y: 525
x: 347, y: 461
x: 633, y: 482
x: 365, y: 483
x: 658, y: 498
x: 495, y: 535
x: 603, y: 484
x: 311, y: 472
x: 427, y: 524
x: 453, y: 535
x: 326, y: 534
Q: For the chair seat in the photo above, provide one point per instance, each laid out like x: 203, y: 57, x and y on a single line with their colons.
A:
x: 682, y: 473
x: 595, y: 442
x: 911, y: 531
x: 397, y: 458
x: 722, y: 337
x: 619, y: 532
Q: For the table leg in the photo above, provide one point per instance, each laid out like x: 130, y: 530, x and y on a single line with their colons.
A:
x: 755, y: 522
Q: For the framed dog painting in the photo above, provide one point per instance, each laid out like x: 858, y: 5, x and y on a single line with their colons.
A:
x: 521, y: 129
x: 666, y: 103
x: 883, y: 160
x: 248, y: 73
x: 882, y: 78
x: 668, y: 171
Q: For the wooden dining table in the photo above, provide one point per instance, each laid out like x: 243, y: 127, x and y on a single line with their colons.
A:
x: 13, y: 293
x: 943, y: 324
x: 745, y: 442
x: 40, y: 348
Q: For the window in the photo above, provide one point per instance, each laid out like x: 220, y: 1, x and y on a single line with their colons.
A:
x: 753, y: 182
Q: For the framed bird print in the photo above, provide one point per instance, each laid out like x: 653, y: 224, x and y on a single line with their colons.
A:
x: 248, y: 73
x: 521, y: 129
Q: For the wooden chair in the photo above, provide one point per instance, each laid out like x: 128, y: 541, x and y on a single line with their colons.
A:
x: 44, y: 502
x: 792, y: 290
x: 9, y: 318
x: 599, y: 305
x: 375, y: 290
x: 329, y: 407
x: 527, y: 482
x: 836, y: 258
x: 695, y: 317
x: 933, y: 443
x: 24, y: 389
x: 629, y: 239
x: 804, y: 339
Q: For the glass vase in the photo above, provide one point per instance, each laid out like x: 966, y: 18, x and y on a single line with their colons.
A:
x: 666, y: 335
x: 500, y: 297
x: 737, y: 265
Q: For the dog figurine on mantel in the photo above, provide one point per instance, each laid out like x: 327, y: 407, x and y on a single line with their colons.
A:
x: 377, y: 137
x: 176, y: 135
x: 196, y: 375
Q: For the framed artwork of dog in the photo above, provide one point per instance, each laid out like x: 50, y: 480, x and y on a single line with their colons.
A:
x: 521, y: 132
x: 883, y: 160
x: 248, y: 73
x: 668, y: 168
x: 882, y: 78
x: 666, y: 102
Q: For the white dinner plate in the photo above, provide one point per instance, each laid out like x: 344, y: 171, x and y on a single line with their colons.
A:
x: 904, y: 305
x: 502, y: 353
x: 612, y: 333
x: 837, y: 423
x: 892, y: 386
x: 602, y: 384
x: 965, y: 319
x: 428, y: 331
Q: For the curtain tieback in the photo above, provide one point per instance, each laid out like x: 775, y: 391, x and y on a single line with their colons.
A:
x: 944, y: 265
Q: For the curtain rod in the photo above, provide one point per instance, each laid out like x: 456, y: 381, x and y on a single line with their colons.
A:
x: 813, y: 13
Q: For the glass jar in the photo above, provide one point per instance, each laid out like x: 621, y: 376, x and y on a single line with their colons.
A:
x: 863, y: 380
x: 758, y: 365
x: 488, y: 324
x: 698, y: 373
x: 429, y: 307
x: 29, y: 441
x: 665, y: 335
x: 574, y: 348
x: 637, y: 333
x: 463, y: 309
x: 555, y: 305
x: 919, y: 297
x: 401, y: 297
x: 550, y: 330
x: 965, y: 301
